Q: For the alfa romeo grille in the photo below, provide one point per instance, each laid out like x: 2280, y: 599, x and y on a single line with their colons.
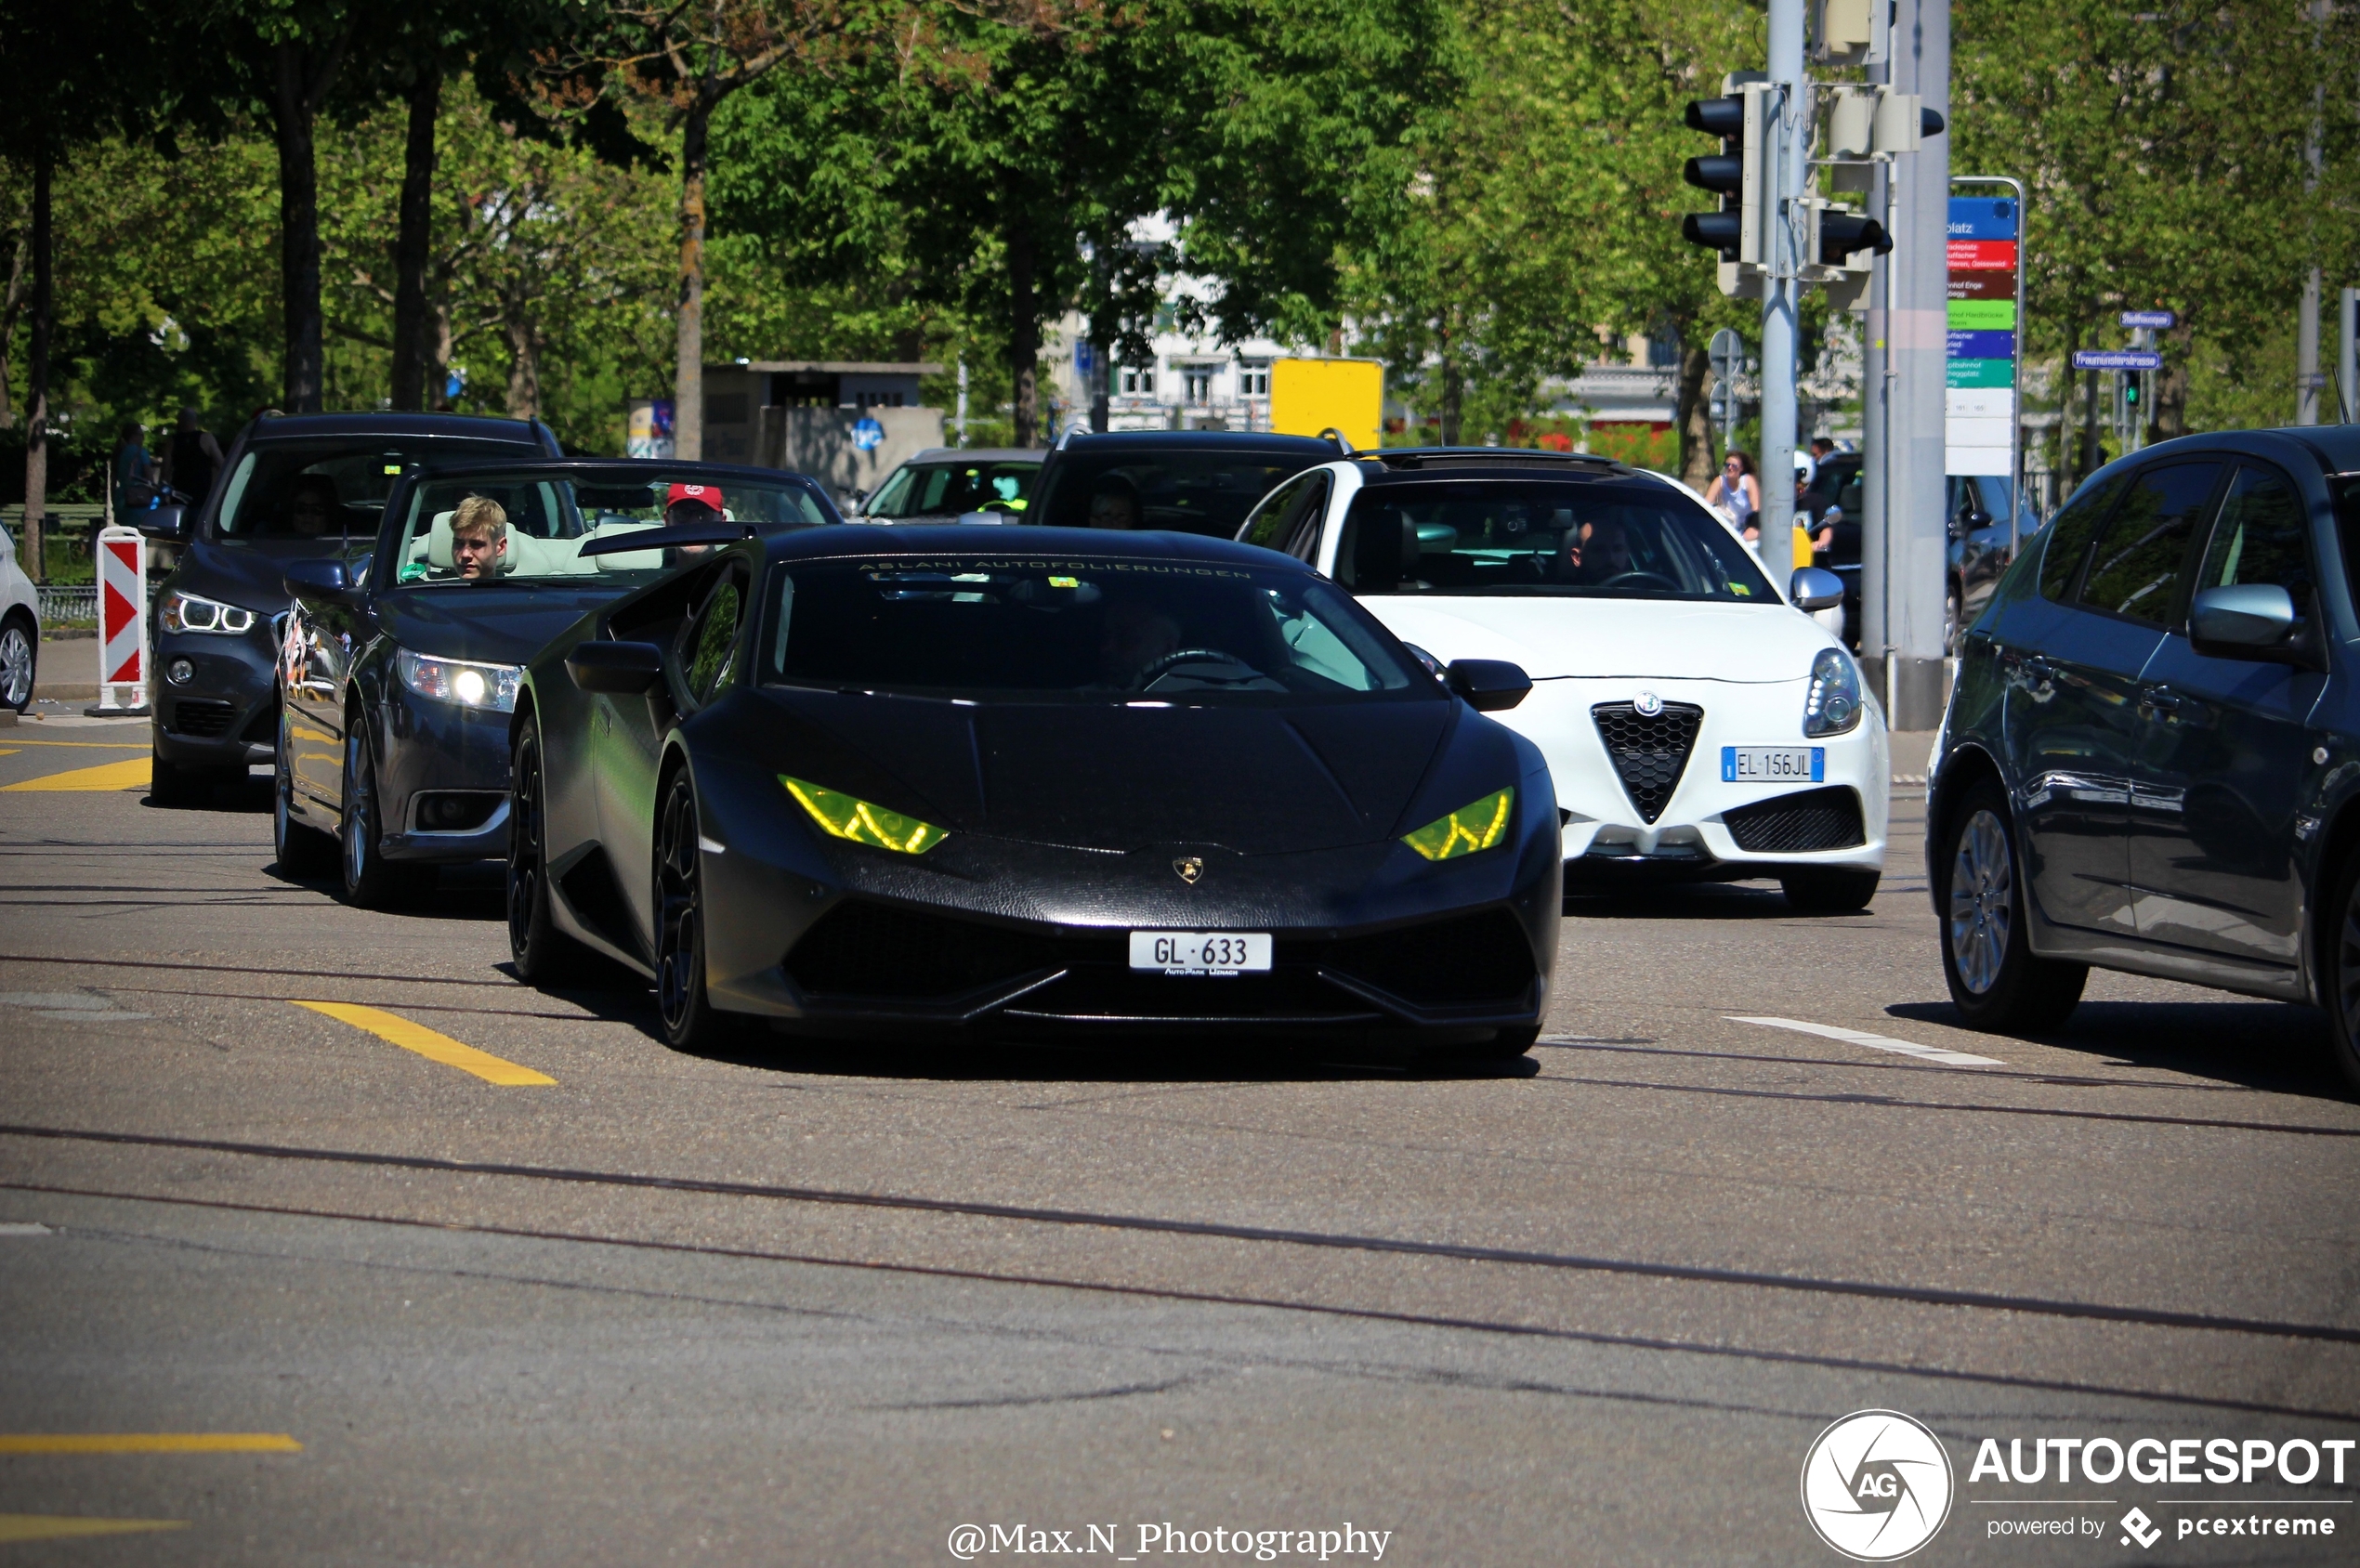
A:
x: 1649, y: 752
x: 1826, y: 818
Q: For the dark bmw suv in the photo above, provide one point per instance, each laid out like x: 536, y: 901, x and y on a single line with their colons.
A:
x: 2151, y: 761
x: 292, y: 488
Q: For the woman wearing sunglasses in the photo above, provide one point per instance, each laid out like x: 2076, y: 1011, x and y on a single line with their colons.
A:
x: 1736, y: 492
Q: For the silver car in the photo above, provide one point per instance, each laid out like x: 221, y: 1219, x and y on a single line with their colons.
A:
x: 942, y: 484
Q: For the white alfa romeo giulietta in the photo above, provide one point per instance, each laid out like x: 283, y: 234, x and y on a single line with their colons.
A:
x: 1698, y: 724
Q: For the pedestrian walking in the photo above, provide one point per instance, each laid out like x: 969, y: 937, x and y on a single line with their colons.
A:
x: 192, y: 459
x: 134, y: 470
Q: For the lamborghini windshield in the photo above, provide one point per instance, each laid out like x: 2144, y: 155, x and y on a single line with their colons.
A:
x: 1576, y: 538
x: 510, y: 529
x: 1098, y: 628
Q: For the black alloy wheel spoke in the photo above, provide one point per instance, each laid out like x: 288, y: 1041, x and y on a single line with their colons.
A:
x: 2348, y: 968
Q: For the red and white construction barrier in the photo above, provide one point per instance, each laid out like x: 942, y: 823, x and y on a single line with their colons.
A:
x: 123, y: 621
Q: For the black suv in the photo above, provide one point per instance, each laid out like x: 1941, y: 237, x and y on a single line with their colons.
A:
x: 292, y: 488
x: 2151, y: 761
x: 1187, y: 481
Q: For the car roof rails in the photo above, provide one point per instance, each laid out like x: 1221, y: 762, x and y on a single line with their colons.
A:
x: 1422, y: 458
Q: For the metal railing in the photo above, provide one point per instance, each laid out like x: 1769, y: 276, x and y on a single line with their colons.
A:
x: 59, y: 604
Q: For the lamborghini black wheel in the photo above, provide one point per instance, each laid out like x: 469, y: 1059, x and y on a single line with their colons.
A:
x: 544, y: 955
x: 689, y: 1020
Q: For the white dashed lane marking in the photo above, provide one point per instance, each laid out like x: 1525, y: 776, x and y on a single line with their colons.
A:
x: 1876, y: 1042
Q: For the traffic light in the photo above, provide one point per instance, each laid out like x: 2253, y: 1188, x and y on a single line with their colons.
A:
x: 1734, y: 175
x: 1836, y: 235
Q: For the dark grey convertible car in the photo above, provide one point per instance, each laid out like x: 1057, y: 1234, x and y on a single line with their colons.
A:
x: 397, y: 674
x: 2152, y: 759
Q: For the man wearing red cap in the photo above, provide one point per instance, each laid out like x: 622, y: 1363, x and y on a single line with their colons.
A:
x: 692, y: 503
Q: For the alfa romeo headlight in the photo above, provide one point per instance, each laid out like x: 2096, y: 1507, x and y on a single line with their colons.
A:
x: 846, y: 817
x: 1833, y: 705
x: 453, y: 680
x: 1475, y: 826
x: 183, y: 611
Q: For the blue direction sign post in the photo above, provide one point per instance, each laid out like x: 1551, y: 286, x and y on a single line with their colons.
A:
x: 1985, y: 335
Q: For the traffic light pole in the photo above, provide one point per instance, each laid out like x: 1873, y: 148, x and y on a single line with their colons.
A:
x: 1781, y: 328
x: 1905, y: 556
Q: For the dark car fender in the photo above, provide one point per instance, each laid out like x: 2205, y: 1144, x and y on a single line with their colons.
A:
x: 764, y: 879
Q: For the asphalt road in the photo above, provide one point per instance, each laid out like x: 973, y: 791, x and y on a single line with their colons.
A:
x: 304, y: 1293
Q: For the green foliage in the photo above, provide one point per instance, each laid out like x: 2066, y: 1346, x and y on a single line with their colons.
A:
x: 2164, y: 147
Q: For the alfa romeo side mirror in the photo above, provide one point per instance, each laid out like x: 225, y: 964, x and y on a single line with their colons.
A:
x: 1814, y: 588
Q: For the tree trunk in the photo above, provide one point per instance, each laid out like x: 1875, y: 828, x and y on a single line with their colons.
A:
x: 1023, y: 335
x: 412, y: 244
x: 10, y: 310
x: 299, y: 233
x: 524, y: 353
x: 1694, y: 416
x: 2171, y: 384
x: 688, y: 392
x: 1454, y: 381
x: 37, y: 443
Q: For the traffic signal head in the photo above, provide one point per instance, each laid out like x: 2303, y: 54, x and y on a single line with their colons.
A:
x: 2131, y: 390
x: 1839, y: 233
x: 1734, y: 175
x: 1724, y: 173
x: 1723, y: 117
x: 1721, y: 231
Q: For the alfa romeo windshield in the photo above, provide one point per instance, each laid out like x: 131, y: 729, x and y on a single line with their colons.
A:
x: 1581, y: 540
x: 1097, y: 628
x: 495, y: 528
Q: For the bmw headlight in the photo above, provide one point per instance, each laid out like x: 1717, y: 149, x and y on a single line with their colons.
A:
x: 453, y: 680
x: 1478, y: 825
x: 184, y: 611
x: 846, y: 817
x: 1833, y: 705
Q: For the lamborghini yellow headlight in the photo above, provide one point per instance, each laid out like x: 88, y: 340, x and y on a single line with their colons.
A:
x: 1478, y: 825
x: 842, y: 816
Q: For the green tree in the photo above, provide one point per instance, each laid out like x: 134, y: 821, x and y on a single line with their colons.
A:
x: 2164, y: 153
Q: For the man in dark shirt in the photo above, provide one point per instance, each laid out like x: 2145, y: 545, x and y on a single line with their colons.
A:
x: 192, y: 458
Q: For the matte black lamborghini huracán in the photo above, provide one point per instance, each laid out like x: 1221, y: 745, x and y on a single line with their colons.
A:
x: 859, y: 781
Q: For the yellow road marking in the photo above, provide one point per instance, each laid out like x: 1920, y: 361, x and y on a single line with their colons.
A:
x: 425, y: 1042
x: 86, y: 745
x: 148, y: 1443
x: 7, y: 750
x: 57, y: 1526
x: 129, y: 774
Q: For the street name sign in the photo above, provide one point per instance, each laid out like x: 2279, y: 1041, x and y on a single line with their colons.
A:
x: 2162, y: 321
x: 2116, y: 359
